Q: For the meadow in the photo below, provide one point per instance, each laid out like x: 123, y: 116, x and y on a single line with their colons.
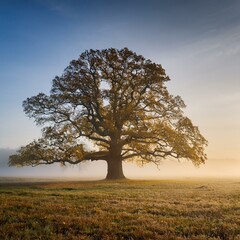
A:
x: 159, y: 209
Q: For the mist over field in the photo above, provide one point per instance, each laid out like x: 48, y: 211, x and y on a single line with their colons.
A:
x: 213, y: 168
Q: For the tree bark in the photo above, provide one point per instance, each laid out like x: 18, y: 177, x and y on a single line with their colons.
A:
x: 115, y: 170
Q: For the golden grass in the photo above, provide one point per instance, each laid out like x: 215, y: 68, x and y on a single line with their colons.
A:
x: 121, y: 210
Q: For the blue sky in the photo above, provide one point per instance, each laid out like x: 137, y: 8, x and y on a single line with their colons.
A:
x: 197, y: 42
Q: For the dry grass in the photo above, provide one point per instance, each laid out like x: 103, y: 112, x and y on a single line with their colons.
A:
x: 121, y: 210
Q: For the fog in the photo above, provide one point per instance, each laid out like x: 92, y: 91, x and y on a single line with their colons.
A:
x: 213, y: 168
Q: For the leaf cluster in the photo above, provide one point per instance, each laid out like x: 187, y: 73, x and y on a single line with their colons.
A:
x: 117, y: 100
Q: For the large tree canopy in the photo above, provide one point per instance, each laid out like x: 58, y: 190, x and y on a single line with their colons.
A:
x: 116, y: 101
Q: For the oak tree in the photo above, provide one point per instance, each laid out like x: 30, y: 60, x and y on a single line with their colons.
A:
x: 116, y: 102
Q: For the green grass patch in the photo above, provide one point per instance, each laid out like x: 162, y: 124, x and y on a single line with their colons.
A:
x: 121, y: 210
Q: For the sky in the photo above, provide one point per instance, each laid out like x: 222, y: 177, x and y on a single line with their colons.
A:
x: 197, y: 43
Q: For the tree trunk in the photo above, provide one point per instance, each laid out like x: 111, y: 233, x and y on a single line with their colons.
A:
x: 115, y: 170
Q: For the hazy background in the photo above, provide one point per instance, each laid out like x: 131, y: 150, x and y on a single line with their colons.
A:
x: 197, y: 42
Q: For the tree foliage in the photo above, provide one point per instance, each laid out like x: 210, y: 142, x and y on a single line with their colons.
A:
x: 118, y: 101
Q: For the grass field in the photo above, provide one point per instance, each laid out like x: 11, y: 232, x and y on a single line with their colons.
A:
x: 163, y: 209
